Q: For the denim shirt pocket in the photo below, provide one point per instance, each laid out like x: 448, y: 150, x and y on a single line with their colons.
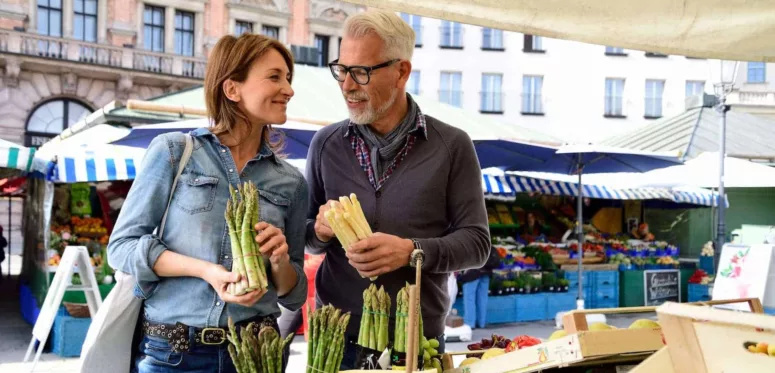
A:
x: 273, y: 208
x: 196, y: 192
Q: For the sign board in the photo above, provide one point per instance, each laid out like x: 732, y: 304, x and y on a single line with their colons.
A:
x: 746, y: 271
x: 72, y: 257
x: 660, y: 286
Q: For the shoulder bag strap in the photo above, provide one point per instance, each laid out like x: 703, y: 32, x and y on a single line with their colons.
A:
x: 183, y: 160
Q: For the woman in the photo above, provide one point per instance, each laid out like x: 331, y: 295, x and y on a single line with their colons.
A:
x: 183, y: 275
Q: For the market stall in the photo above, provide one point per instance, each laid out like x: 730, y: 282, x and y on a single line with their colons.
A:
x: 598, y: 346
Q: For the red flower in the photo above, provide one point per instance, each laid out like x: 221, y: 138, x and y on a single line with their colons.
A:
x: 736, y: 272
x: 734, y: 259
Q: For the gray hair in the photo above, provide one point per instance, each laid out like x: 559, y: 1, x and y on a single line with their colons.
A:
x: 397, y: 34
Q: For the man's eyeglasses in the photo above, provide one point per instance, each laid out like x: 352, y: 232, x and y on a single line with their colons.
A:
x: 360, y: 74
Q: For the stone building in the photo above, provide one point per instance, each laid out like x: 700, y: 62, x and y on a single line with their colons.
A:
x: 61, y: 60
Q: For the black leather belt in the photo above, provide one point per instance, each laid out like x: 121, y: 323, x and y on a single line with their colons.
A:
x: 178, y: 334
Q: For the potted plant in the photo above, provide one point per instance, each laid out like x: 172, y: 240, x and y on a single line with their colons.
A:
x: 564, y: 284
x: 549, y: 281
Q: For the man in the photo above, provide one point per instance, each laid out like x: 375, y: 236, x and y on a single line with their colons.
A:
x: 418, y: 181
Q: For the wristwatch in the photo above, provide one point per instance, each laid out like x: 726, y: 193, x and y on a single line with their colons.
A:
x: 417, y: 253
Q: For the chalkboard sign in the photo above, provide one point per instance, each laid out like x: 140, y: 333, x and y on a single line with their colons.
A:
x: 660, y: 286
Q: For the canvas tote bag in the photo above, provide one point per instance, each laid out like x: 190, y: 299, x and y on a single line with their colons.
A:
x: 108, y: 345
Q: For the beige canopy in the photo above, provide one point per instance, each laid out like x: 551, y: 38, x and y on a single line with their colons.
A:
x: 719, y: 29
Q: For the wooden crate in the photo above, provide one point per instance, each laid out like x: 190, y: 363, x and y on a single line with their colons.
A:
x: 583, y: 347
x: 707, y: 340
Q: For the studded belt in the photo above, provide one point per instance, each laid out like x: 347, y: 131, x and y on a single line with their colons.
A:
x: 178, y: 334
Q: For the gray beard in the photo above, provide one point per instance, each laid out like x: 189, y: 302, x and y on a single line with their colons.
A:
x: 370, y: 115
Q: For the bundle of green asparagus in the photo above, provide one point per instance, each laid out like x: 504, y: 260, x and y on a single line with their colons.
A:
x: 402, y: 317
x: 253, y: 355
x: 241, y: 216
x: 348, y: 222
x: 373, y: 333
x: 326, y: 339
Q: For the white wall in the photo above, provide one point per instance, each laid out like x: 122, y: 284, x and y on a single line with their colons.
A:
x: 574, y: 80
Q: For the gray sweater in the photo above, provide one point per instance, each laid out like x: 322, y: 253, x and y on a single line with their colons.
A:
x: 434, y: 195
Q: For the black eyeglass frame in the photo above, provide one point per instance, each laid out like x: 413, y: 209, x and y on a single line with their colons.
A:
x: 348, y: 70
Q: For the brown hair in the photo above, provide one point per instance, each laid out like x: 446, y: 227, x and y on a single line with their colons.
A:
x: 232, y: 58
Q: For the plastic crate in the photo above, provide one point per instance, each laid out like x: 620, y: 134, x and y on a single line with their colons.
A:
x: 699, y: 293
x: 502, y: 309
x: 532, y: 307
x: 68, y: 335
x: 706, y: 264
x: 559, y: 302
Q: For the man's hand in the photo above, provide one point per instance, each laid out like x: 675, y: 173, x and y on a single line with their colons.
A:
x: 323, y: 231
x: 381, y: 253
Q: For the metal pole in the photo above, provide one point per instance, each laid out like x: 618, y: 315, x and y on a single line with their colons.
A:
x: 580, y: 232
x: 9, y: 238
x: 721, y: 201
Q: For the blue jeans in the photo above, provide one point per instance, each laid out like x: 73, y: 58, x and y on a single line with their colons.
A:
x: 475, y: 302
x: 155, y: 356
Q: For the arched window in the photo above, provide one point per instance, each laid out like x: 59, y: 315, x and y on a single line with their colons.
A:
x: 51, y: 118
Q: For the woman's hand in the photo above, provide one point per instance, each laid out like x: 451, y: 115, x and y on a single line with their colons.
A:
x: 219, y: 278
x: 271, y: 242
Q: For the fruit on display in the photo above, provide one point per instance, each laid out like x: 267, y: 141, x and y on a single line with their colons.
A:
x: 469, y: 361
x: 667, y: 260
x: 620, y: 259
x: 598, y: 326
x: 54, y: 259
x: 493, y: 352
x: 645, y: 324
x: 760, y: 348
x: 431, y: 356
x: 521, y: 342
x: 707, y: 250
x: 558, y: 334
x: 91, y: 227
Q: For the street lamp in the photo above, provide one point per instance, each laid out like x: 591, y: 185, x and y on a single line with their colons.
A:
x: 722, y: 74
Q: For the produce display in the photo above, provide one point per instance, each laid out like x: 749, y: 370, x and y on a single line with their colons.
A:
x: 374, y: 321
x: 760, y: 348
x: 326, y: 339
x: 252, y: 354
x: 348, y: 222
x: 241, y: 216
x: 431, y: 356
x: 707, y: 249
x: 402, y: 318
x: 700, y: 277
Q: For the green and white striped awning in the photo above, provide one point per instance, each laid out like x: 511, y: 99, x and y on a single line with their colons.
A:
x: 16, y: 156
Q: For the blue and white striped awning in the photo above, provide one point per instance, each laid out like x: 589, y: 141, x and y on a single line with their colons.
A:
x: 507, y: 185
x: 96, y: 163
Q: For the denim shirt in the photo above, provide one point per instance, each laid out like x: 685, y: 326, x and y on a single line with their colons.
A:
x: 196, y: 227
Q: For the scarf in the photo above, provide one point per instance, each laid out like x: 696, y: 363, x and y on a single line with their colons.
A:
x: 384, y: 149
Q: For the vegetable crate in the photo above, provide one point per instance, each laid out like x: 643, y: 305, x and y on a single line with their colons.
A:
x: 584, y: 347
x: 68, y: 335
x: 707, y: 340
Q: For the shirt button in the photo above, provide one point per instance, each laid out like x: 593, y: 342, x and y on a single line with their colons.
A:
x: 223, y: 150
x: 231, y: 170
x: 225, y: 257
x: 217, y: 303
x: 196, y: 180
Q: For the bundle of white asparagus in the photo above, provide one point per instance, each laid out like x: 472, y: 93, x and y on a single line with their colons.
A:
x: 348, y: 222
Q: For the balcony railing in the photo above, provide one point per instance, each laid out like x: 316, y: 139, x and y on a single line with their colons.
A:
x: 451, y: 97
x: 491, y: 102
x: 532, y: 104
x: 751, y: 98
x: 31, y: 44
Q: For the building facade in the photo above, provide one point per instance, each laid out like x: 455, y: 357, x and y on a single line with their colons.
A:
x: 575, y: 91
x: 63, y: 59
